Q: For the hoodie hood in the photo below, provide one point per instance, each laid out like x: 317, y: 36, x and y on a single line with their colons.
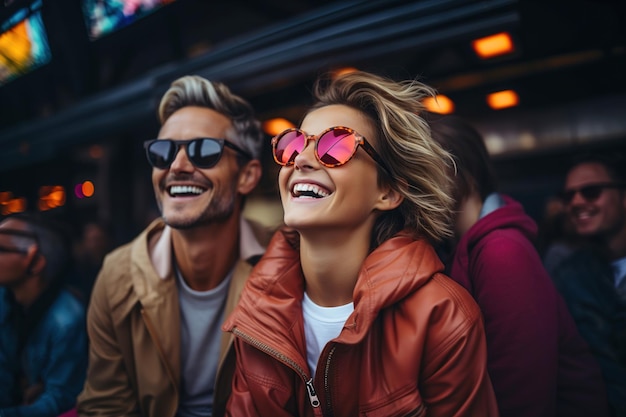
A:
x: 508, y: 219
x: 509, y: 216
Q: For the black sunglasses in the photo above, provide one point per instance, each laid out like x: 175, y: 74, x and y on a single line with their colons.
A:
x: 12, y: 250
x: 590, y: 192
x: 202, y: 152
x: 18, y: 233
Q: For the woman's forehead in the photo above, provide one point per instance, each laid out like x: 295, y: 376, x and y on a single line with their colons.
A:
x: 337, y: 115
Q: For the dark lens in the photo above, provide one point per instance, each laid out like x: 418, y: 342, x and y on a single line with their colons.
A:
x: 288, y: 146
x: 591, y: 192
x: 11, y: 250
x: 204, y: 153
x: 161, y: 153
x: 336, y: 147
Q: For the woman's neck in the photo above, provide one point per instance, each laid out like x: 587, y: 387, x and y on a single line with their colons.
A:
x: 331, y: 264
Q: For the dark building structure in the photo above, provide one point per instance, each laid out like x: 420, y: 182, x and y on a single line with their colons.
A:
x: 85, y: 112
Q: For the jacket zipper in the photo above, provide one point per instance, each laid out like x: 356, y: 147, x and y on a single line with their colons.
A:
x: 326, y: 382
x: 310, y: 389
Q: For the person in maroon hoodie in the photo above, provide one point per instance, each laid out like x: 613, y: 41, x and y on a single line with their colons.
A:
x: 538, y: 363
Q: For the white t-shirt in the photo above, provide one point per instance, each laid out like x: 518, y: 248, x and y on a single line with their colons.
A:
x: 321, y: 324
x: 201, y: 317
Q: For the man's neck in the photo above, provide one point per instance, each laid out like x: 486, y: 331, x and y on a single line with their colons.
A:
x: 205, y: 254
x: 468, y: 214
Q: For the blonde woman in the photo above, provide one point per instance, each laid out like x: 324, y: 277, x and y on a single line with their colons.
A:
x: 348, y: 313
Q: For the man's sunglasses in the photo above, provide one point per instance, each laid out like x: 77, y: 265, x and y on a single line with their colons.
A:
x: 202, y: 152
x: 13, y: 250
x: 334, y: 147
x: 590, y: 192
x: 19, y: 234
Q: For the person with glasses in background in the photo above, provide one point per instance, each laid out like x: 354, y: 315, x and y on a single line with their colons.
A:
x: 349, y: 313
x: 156, y: 347
x: 43, y: 340
x: 593, y: 279
x: 538, y: 362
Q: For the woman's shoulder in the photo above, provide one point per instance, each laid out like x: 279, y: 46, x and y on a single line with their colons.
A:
x: 444, y: 300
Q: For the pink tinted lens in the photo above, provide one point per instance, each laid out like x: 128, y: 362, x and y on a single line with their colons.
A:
x: 289, y: 146
x: 336, y: 147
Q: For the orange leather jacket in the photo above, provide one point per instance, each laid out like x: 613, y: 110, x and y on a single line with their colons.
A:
x: 414, y: 345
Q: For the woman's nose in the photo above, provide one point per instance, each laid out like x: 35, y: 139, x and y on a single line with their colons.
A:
x: 306, y: 159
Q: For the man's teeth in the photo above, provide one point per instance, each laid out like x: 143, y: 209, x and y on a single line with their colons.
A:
x: 309, y: 190
x: 185, y: 189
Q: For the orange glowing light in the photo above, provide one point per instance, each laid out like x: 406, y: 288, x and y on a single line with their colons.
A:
x: 503, y: 99
x: 494, y: 45
x: 51, y: 196
x: 439, y: 104
x: 88, y: 188
x: 58, y: 195
x: 274, y: 126
x: 343, y: 71
x: 16, y: 205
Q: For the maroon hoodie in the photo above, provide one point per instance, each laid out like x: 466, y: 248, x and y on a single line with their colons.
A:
x: 538, y: 363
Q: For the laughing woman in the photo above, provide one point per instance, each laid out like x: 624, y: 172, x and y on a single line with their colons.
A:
x: 348, y: 312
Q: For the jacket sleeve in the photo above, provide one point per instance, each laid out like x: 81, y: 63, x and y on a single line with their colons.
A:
x: 107, y: 390
x: 64, y: 373
x: 520, y: 307
x: 455, y: 382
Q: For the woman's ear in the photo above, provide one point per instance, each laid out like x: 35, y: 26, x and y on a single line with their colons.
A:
x: 249, y: 177
x: 389, y: 199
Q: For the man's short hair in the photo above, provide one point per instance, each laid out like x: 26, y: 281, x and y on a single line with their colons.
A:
x: 193, y: 90
x: 614, y: 163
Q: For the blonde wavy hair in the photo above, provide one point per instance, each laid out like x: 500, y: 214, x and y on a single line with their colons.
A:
x: 419, y: 166
x: 193, y: 90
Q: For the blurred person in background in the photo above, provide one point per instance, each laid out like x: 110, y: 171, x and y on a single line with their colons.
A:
x: 555, y: 241
x: 89, y: 252
x: 348, y: 313
x: 156, y: 347
x: 593, y: 279
x: 538, y: 362
x: 43, y: 341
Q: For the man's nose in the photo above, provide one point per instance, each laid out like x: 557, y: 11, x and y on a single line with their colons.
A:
x: 181, y: 162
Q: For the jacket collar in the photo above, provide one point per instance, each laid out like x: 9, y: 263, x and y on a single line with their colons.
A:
x: 154, y: 285
x: 161, y: 250
x: 270, y: 306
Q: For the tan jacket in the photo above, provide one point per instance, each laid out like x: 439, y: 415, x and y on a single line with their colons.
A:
x: 414, y: 345
x: 134, y: 328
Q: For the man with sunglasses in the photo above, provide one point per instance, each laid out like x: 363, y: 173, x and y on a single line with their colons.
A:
x: 158, y: 303
x: 593, y: 279
x: 43, y: 341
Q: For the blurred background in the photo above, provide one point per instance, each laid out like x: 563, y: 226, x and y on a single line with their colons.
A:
x: 80, y: 81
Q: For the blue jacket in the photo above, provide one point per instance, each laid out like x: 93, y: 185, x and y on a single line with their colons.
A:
x: 54, y: 357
